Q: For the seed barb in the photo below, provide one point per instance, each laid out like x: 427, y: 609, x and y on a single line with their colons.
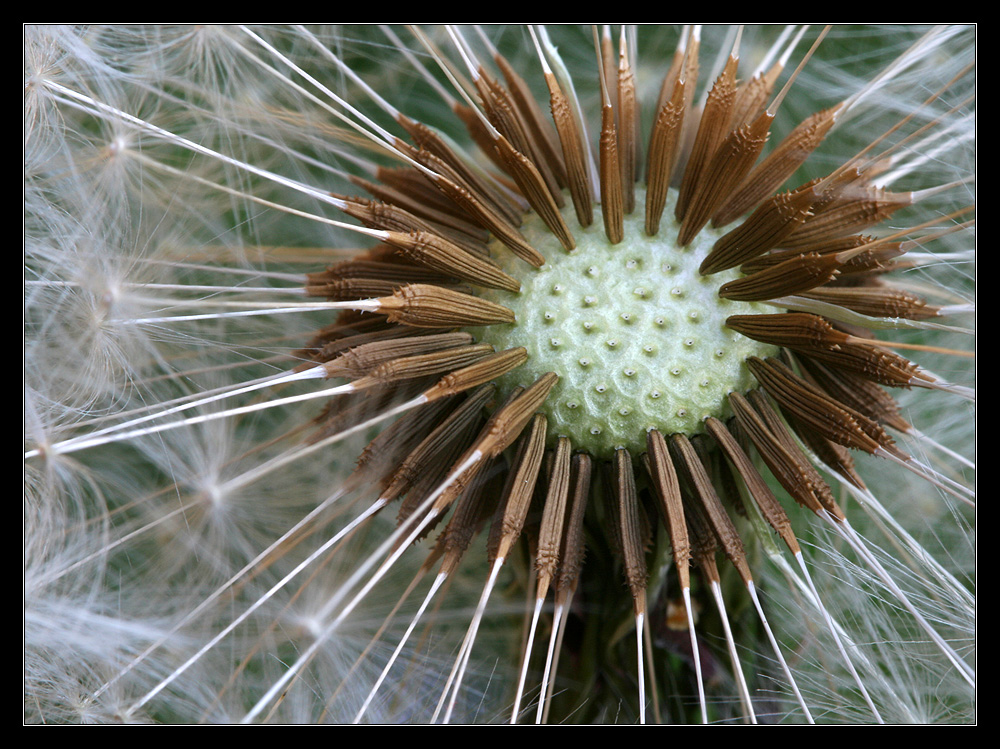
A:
x: 360, y: 361
x: 534, y: 189
x: 548, y: 548
x: 551, y: 531
x: 766, y: 228
x: 633, y: 543
x: 612, y: 199
x: 413, y: 193
x: 794, y: 276
x: 434, y: 153
x: 846, y: 209
x: 628, y: 124
x: 572, y: 150
x: 817, y: 339
x: 541, y: 133
x: 415, y: 465
x: 452, y: 186
x: 722, y: 173
x: 783, y: 459
x: 511, y: 514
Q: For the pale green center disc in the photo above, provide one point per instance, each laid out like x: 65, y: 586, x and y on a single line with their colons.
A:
x: 635, y: 333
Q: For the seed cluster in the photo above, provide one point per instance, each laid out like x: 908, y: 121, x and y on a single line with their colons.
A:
x: 635, y: 333
x: 661, y: 355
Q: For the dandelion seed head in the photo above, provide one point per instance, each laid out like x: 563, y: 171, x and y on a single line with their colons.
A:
x: 183, y: 184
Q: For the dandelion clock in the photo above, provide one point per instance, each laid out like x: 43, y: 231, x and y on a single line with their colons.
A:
x: 499, y: 374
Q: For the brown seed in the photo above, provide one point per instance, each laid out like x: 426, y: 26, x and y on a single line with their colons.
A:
x: 443, y: 256
x: 485, y: 370
x: 691, y: 467
x: 512, y: 511
x: 777, y: 166
x: 769, y: 506
x: 633, y: 544
x: 816, y: 409
x: 661, y: 470
x: 783, y: 458
x: 550, y: 533
x: 794, y: 276
x: 713, y: 127
x: 664, y: 142
x: 612, y: 200
x: 428, y: 306
x: 573, y: 153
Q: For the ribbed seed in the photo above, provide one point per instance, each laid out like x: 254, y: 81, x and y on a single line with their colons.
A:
x: 877, y: 301
x: 534, y: 189
x: 769, y: 506
x: 852, y: 211
x: 612, y: 200
x: 362, y: 360
x: 816, y: 409
x: 764, y: 229
x: 708, y: 501
x: 550, y: 532
x: 541, y: 136
x: 633, y: 545
x: 424, y: 365
x: 814, y: 337
x: 713, y: 127
x: 428, y: 465
x: 425, y: 305
x: 784, y: 460
x: 474, y: 508
x: 862, y: 395
x: 777, y: 166
x: 722, y: 173
x: 441, y: 255
x: 573, y: 536
x: 628, y: 126
x: 661, y: 470
x: 793, y: 276
x: 395, y: 442
x: 511, y: 513
x: 489, y: 368
x: 505, y: 231
x: 573, y: 153
x: 416, y: 462
x: 663, y: 145
x: 435, y: 153
x: 427, y: 203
